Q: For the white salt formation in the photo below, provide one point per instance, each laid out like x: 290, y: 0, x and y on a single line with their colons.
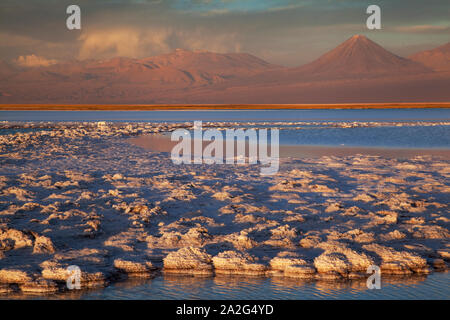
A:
x: 81, y: 194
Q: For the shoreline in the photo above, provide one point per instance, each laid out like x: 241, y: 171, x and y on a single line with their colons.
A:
x: 126, y: 283
x: 193, y: 107
x: 162, y: 143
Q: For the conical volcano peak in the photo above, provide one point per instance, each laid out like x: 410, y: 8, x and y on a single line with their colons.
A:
x: 358, y: 37
x: 360, y: 56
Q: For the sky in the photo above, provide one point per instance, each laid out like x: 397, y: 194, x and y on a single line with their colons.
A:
x: 284, y: 32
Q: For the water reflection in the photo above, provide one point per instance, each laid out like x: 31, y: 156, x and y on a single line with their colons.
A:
x: 168, y: 286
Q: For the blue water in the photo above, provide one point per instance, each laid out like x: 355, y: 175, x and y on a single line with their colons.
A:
x: 411, y: 134
x: 392, y: 137
x: 435, y: 286
x: 234, y: 115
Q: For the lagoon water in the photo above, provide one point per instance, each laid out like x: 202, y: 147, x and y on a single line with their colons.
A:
x: 381, y: 137
x: 405, y: 128
x: 233, y: 115
x: 435, y: 286
x: 411, y: 134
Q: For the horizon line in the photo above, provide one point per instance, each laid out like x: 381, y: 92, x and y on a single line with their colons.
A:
x: 179, y: 107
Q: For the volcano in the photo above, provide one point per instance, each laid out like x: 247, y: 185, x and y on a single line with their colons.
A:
x: 360, y: 57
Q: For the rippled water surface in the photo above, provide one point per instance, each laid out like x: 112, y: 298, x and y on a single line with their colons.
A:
x: 233, y: 115
x: 386, y: 136
x: 435, y: 286
x: 410, y: 133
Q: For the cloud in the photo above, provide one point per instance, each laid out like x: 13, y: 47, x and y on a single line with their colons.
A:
x: 105, y: 43
x: 228, y: 6
x: 425, y: 28
x: 138, y: 43
x: 13, y: 40
x: 282, y: 31
x: 33, y: 60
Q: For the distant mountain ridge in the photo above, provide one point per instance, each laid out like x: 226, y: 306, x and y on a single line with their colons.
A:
x: 437, y: 59
x: 181, y: 67
x: 184, y: 76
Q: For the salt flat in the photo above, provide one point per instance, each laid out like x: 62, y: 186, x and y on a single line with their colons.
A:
x: 82, y: 194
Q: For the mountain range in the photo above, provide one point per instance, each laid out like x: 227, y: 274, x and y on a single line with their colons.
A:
x: 358, y: 70
x: 436, y: 59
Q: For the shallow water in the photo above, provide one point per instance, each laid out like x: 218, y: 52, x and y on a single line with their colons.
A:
x: 320, y: 129
x: 434, y: 286
x: 233, y: 115
x: 390, y: 136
